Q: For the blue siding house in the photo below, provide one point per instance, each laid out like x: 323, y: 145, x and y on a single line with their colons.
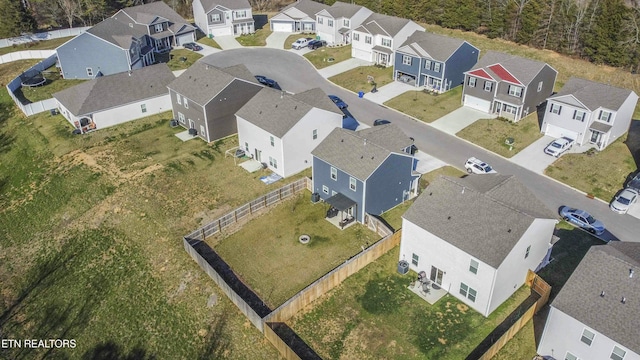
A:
x: 371, y: 170
x: 435, y: 62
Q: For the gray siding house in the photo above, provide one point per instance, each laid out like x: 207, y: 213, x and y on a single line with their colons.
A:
x: 206, y: 98
x: 596, y: 313
x: 223, y: 17
x: 435, y: 62
x: 335, y: 23
x: 507, y: 85
x: 297, y: 17
x: 373, y: 169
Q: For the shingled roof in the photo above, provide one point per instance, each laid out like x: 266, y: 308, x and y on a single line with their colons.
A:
x: 429, y: 45
x: 115, y: 90
x: 209, y: 5
x: 340, y: 9
x: 482, y: 215
x: 115, y: 32
x: 523, y: 69
x: 380, y: 24
x: 147, y: 13
x: 594, y: 94
x: 307, y: 7
x: 606, y: 268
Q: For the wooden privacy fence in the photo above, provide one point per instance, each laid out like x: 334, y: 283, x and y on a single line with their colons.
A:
x: 537, y: 284
x: 376, y: 225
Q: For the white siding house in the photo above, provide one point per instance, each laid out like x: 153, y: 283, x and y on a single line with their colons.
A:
x: 299, y: 16
x: 223, y: 17
x: 335, y: 23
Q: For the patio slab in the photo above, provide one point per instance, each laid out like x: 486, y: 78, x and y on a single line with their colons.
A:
x: 185, y: 136
x: 431, y: 295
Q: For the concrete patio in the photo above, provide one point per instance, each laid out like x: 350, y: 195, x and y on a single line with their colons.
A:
x: 432, y: 294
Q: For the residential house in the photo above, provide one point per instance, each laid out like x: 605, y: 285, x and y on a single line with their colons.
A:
x: 206, y: 98
x: 280, y: 129
x: 435, y: 62
x: 124, y: 42
x: 371, y: 170
x: 596, y: 313
x: 589, y: 112
x: 379, y: 36
x: 114, y: 99
x: 299, y: 16
x: 334, y: 24
x: 223, y: 17
x: 507, y: 85
x: 477, y: 237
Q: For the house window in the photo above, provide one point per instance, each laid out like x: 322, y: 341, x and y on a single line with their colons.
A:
x: 468, y: 292
x: 272, y: 141
x: 570, y: 356
x: 246, y: 146
x: 356, y: 37
x: 215, y: 17
x: 473, y: 266
x: 325, y: 189
x: 181, y: 118
x: 320, y: 21
x: 179, y: 99
x: 587, y: 337
x: 604, y: 116
x: 330, y: 23
x: 345, y: 23
x: 509, y: 109
x: 334, y: 173
x: 143, y: 108
x: 406, y: 60
x: 158, y: 28
x: 427, y: 65
x: 352, y: 184
x: 515, y: 91
x: 540, y: 86
x: 617, y: 353
x: 275, y: 163
x: 488, y: 85
x: 555, y: 108
x: 414, y: 259
x: 578, y: 115
x: 367, y: 39
x: 315, y: 134
x: 241, y: 14
x: 471, y: 82
x: 89, y: 72
x: 186, y: 103
x: 386, y: 42
x: 436, y: 67
x: 526, y: 253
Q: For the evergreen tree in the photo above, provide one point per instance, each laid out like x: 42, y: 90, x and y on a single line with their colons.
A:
x: 602, y: 41
x: 15, y: 19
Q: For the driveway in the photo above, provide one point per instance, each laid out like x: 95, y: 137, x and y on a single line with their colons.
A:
x: 341, y: 67
x: 276, y: 40
x: 459, y: 119
x: 427, y: 163
x: 227, y: 42
x: 389, y: 91
x: 207, y: 50
x: 533, y: 157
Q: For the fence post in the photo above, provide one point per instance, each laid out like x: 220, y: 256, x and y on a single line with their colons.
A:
x: 265, y: 201
x: 235, y: 215
x: 219, y: 225
x: 203, y: 236
x: 280, y: 194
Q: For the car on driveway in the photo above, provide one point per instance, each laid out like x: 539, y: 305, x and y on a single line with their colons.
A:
x: 623, y: 201
x: 265, y: 81
x: 582, y: 219
x: 192, y: 46
x: 477, y: 166
x: 378, y: 122
x: 300, y: 43
x: 314, y: 44
x: 558, y: 146
x: 339, y: 103
x: 634, y: 183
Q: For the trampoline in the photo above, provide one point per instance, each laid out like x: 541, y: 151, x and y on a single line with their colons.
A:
x: 33, y: 79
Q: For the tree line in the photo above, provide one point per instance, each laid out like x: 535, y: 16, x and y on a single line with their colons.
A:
x: 601, y: 31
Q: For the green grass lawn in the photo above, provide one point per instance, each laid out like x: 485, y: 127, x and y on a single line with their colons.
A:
x: 320, y: 58
x: 492, y: 133
x: 180, y: 59
x: 267, y: 254
x: 209, y: 42
x: 601, y: 173
x: 36, y: 45
x: 54, y: 83
x: 427, y: 107
x: 372, y: 315
x: 356, y: 79
x: 258, y: 38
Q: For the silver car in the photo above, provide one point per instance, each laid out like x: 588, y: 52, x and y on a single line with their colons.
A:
x: 623, y: 201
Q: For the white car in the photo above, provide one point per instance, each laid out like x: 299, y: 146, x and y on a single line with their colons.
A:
x: 477, y: 166
x: 558, y: 146
x: 623, y: 201
x: 300, y: 43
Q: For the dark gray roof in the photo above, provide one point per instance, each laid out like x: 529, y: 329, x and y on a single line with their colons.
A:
x: 354, y: 153
x: 437, y: 47
x: 482, y: 215
x: 208, y: 5
x: 309, y: 7
x: 593, y: 94
x: 114, y: 90
x: 601, y: 127
x: 343, y: 10
x: 522, y: 68
x: 380, y: 24
x: 606, y: 268
x: 277, y: 112
x: 147, y: 13
x: 201, y: 82
x: 388, y: 136
x: 115, y: 32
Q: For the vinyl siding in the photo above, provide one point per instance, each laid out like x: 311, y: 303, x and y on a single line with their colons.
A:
x: 478, y: 90
x: 322, y: 176
x: 221, y: 110
x: 533, y: 98
x: 413, y: 69
x: 78, y: 54
x: 195, y: 112
x: 463, y: 59
x: 386, y: 185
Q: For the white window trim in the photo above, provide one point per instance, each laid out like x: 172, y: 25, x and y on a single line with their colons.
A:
x: 383, y: 42
x: 570, y: 356
x: 515, y: 91
x: 334, y: 173
x: 320, y: 20
x: 490, y: 87
x: 624, y: 353
x: 186, y: 103
x: 367, y: 39
x: 582, y: 336
x: 540, y: 86
x: 178, y: 99
x: 601, y: 118
x: 325, y: 189
x: 436, y: 67
x: 472, y: 81
x: 415, y: 259
x: 579, y: 115
x: 427, y: 64
x: 555, y: 109
x: 353, y: 184
x: 158, y: 26
x: 477, y: 263
x: 314, y: 134
x: 272, y: 141
x: 527, y: 252
x: 406, y: 60
x: 330, y: 23
x: 181, y: 118
x: 143, y: 108
x: 89, y: 72
x: 356, y: 37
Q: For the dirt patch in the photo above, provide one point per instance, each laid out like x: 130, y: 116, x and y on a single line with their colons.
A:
x: 442, y: 341
x: 462, y: 308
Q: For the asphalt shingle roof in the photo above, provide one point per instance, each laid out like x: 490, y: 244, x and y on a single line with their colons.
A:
x: 115, y: 32
x: 594, y: 94
x: 380, y: 24
x: 431, y: 45
x: 523, y: 69
x: 118, y: 89
x: 208, y: 5
x: 309, y: 7
x: 482, y: 215
x: 146, y: 13
x: 358, y: 153
x: 606, y: 268
x: 343, y: 10
x: 201, y: 82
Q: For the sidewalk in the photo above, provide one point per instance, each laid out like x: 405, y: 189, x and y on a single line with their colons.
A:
x: 341, y: 67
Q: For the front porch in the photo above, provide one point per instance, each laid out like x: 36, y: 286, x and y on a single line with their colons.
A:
x: 381, y: 56
x: 600, y: 133
x: 243, y: 27
x: 506, y: 110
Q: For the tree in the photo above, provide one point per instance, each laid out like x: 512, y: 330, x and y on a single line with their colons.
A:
x: 604, y: 42
x: 15, y: 19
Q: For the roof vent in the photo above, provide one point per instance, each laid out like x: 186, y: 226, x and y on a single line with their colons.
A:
x: 630, y: 273
x: 602, y: 293
x: 295, y: 107
x: 509, y: 231
x: 448, y: 217
x: 372, y: 158
x: 341, y: 140
x: 624, y: 300
x: 430, y: 193
x: 361, y: 157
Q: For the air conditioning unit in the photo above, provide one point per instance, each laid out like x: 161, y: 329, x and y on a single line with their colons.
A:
x: 173, y: 123
x: 193, y: 132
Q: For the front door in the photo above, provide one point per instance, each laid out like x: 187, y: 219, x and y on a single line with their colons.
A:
x: 595, y: 137
x: 192, y: 124
x: 436, y: 275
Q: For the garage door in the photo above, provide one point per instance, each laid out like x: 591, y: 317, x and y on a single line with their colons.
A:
x: 477, y: 103
x: 282, y: 26
x: 557, y: 132
x: 361, y: 54
x: 183, y: 39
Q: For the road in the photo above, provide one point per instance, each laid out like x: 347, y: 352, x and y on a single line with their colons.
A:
x: 295, y: 74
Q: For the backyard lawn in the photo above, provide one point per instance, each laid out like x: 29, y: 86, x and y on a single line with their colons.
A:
x: 491, y: 134
x: 180, y: 59
x: 357, y: 79
x: 267, y: 254
x: 321, y: 58
x: 54, y: 83
x: 36, y: 45
x: 426, y: 107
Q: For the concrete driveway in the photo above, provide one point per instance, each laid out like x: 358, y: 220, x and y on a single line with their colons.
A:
x: 427, y: 163
x: 207, y: 50
x: 227, y: 42
x: 388, y: 92
x: 459, y: 119
x: 341, y: 67
x: 533, y: 157
x: 276, y: 40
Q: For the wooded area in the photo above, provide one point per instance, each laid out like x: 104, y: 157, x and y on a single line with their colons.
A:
x: 602, y: 31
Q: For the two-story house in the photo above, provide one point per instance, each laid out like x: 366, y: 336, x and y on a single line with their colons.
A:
x: 596, y: 313
x: 334, y: 24
x: 507, y: 85
x: 223, y: 17
x: 477, y: 237
x: 206, y: 98
x: 379, y: 36
x: 280, y: 129
x: 372, y: 169
x: 299, y: 16
x: 589, y: 112
x: 435, y: 62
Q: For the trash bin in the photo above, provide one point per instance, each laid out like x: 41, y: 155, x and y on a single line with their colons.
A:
x: 361, y: 94
x: 210, y: 36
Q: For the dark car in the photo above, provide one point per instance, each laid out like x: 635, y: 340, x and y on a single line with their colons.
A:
x: 265, y: 81
x: 381, y: 122
x: 314, y: 44
x: 192, y: 46
x: 339, y: 103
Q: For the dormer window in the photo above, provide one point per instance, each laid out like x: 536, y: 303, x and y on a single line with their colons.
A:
x: 215, y: 17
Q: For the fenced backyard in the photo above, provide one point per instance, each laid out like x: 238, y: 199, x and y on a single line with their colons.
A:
x: 39, y: 106
x: 46, y: 35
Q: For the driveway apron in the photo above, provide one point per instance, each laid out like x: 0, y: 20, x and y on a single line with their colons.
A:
x: 459, y: 119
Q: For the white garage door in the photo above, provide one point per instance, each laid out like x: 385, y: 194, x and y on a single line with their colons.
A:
x: 557, y: 132
x: 282, y: 26
x: 477, y: 103
x: 361, y: 54
x: 183, y: 39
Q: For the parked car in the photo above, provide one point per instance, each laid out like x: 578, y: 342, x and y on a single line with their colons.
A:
x: 314, y: 44
x: 623, y: 201
x: 477, y: 166
x: 339, y: 103
x: 192, y: 46
x: 582, y: 219
x: 559, y: 146
x: 265, y: 81
x: 381, y: 122
x: 634, y: 183
x: 300, y: 43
